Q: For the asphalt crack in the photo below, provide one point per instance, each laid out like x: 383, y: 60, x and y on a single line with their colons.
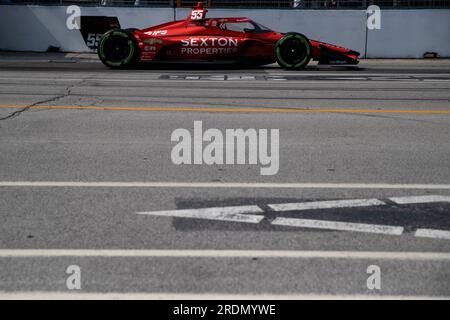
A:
x: 28, y: 107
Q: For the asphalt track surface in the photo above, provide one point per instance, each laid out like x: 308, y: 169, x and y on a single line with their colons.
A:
x: 85, y: 163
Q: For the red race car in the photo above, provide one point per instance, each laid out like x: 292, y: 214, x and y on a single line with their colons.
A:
x: 217, y: 39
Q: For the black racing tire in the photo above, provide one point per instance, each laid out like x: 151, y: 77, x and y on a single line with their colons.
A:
x: 118, y: 49
x: 293, y: 51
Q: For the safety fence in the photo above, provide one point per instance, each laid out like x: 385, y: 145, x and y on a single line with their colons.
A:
x: 276, y: 4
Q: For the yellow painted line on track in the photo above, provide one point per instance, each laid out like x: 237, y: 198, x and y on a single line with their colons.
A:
x: 229, y: 109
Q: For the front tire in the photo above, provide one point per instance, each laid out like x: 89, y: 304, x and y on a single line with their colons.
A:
x: 293, y: 51
x: 118, y: 49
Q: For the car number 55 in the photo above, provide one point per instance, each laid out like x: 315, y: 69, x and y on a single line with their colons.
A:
x: 197, y: 14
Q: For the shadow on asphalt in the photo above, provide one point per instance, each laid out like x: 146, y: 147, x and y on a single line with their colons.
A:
x: 409, y: 216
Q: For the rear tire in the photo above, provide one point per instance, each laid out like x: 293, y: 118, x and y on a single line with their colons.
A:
x: 293, y: 51
x: 118, y: 49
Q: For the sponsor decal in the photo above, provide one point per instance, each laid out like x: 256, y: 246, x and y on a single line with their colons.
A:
x: 149, y: 48
x: 209, y: 45
x: 152, y: 41
x: 156, y: 33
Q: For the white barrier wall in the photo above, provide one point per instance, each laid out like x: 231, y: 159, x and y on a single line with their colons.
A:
x: 35, y: 28
x: 410, y: 33
x: 403, y: 33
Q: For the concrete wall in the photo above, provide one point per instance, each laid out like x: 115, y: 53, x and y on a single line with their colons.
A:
x: 35, y: 28
x: 404, y: 33
x: 410, y: 33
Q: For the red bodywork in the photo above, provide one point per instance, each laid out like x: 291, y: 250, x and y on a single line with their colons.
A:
x: 199, y: 38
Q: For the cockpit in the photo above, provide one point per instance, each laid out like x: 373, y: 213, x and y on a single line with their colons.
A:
x: 247, y: 26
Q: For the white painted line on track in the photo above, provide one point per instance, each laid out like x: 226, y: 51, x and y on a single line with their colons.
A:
x: 181, y: 253
x: 270, y: 185
x: 420, y: 199
x: 432, y: 233
x: 54, y: 295
x: 138, y: 77
x: 326, y: 204
x: 233, y: 214
x: 338, y: 226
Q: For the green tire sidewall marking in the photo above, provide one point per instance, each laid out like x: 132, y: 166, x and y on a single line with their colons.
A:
x: 131, y: 54
x: 119, y: 33
x: 277, y: 51
x: 102, y: 44
x: 130, y: 44
x: 303, y: 40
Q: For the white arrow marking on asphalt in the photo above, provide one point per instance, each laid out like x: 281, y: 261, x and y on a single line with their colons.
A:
x: 234, y: 214
x: 326, y: 204
x: 340, y: 226
x: 419, y: 199
x: 432, y: 233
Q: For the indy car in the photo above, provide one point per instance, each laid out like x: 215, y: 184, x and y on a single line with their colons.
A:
x: 199, y: 38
